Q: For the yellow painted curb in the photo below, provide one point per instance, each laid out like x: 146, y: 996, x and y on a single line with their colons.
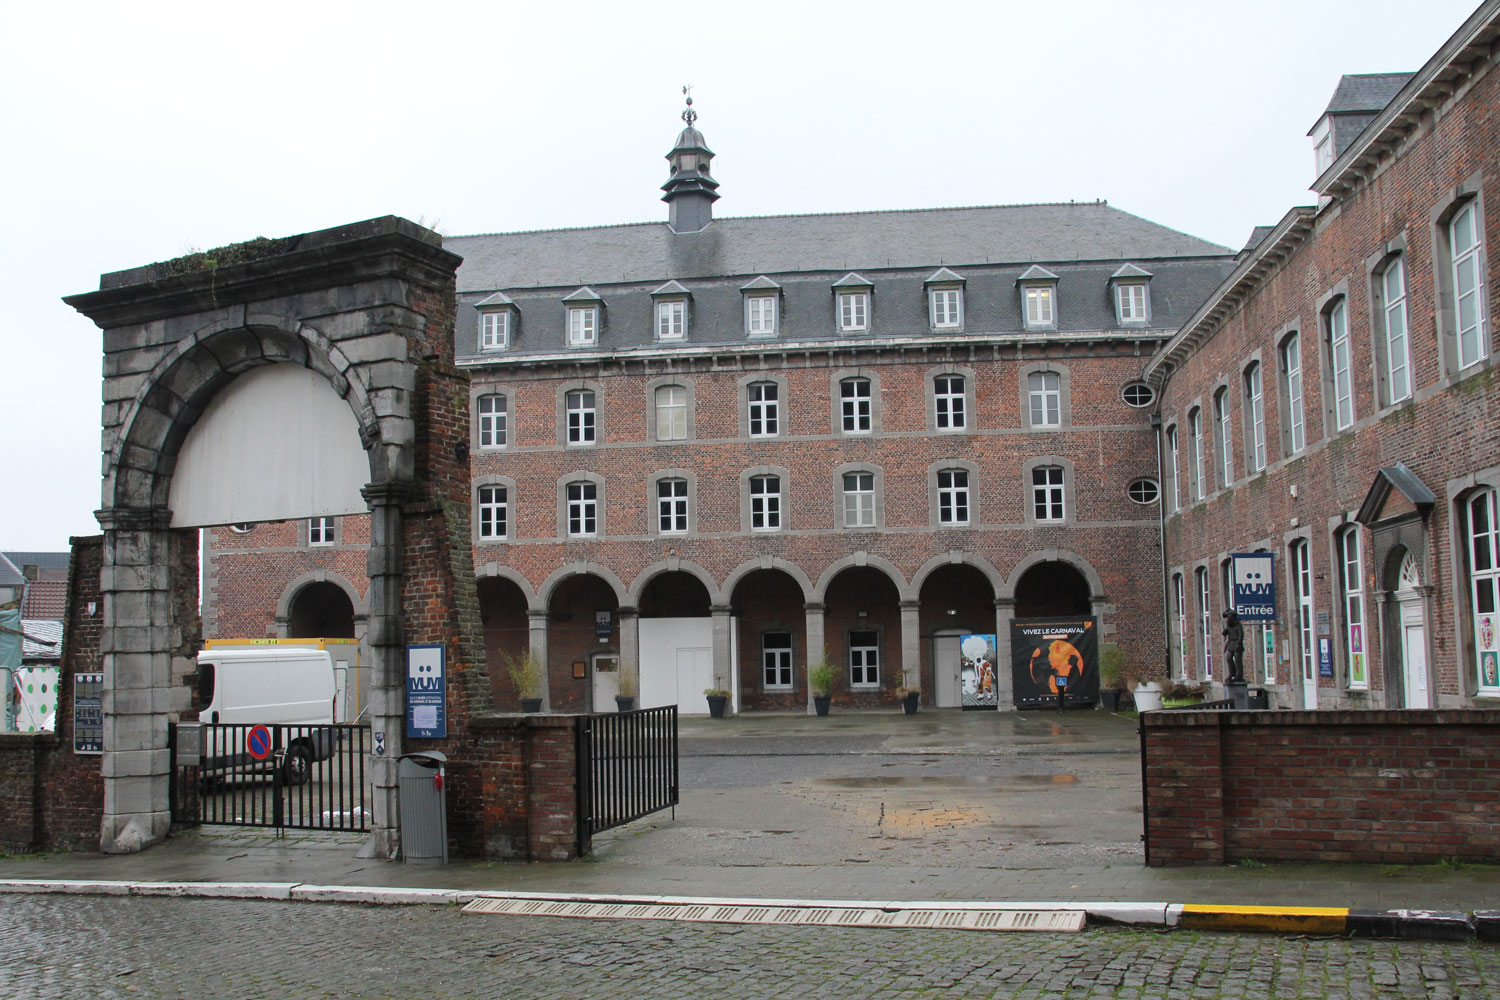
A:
x: 1276, y: 919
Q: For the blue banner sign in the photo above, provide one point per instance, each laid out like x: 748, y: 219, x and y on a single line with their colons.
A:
x: 1254, y: 581
x: 426, y: 692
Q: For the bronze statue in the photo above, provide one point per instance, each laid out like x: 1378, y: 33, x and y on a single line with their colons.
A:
x: 1234, y: 646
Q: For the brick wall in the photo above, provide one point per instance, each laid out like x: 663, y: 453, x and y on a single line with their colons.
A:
x: 513, y: 789
x: 1365, y: 786
x: 20, y: 792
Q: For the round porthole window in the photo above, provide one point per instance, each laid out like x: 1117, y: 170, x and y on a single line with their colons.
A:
x: 1138, y: 394
x: 240, y: 529
x: 1144, y: 491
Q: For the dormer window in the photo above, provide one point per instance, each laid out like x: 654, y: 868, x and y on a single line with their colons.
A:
x: 671, y: 311
x: 1132, y: 286
x: 762, y: 307
x: 494, y: 321
x: 1039, y: 298
x: 1322, y: 146
x: 945, y: 300
x: 853, y: 294
x: 584, y: 308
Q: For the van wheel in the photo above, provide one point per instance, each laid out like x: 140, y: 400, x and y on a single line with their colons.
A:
x: 297, y: 767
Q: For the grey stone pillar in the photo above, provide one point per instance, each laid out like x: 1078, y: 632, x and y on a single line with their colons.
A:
x: 536, y: 637
x: 1005, y: 689
x: 723, y: 655
x: 815, y: 644
x: 387, y: 636
x: 911, y: 643
x: 630, y: 646
x: 135, y: 646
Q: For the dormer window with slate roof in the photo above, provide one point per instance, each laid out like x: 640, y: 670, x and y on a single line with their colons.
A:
x: 1038, y: 298
x: 852, y: 294
x: 945, y: 299
x: 495, y: 315
x: 762, y: 307
x: 1132, y: 287
x: 671, y: 311
x: 584, y: 309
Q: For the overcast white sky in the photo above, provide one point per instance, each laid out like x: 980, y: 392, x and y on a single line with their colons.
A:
x: 138, y: 132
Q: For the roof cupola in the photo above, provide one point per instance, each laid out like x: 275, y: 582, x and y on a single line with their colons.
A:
x: 690, y: 190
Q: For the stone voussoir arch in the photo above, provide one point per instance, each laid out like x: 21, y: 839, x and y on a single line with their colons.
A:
x: 674, y: 564
x: 749, y: 566
x: 499, y: 571
x: 1082, y: 565
x: 361, y: 605
x: 996, y: 578
x: 580, y: 568
x: 904, y: 589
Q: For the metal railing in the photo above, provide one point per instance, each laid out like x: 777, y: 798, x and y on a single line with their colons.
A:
x: 627, y: 768
x: 287, y: 777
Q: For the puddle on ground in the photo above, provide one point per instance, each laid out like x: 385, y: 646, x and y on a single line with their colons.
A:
x: 992, y: 783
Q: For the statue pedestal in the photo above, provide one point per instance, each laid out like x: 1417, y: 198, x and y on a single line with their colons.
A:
x: 1239, y: 691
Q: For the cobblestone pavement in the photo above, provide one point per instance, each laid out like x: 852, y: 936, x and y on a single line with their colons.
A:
x: 108, y: 947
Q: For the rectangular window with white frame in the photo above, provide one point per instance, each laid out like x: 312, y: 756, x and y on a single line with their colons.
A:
x: 1039, y: 306
x: 1173, y: 455
x: 948, y: 402
x: 1044, y: 392
x: 859, y: 499
x: 864, y: 658
x: 760, y: 315
x: 494, y: 330
x: 672, y: 506
x: 492, y: 420
x: 1195, y: 452
x: 855, y: 405
x: 583, y: 510
x: 1397, y: 343
x: 947, y: 308
x: 764, y: 402
x: 494, y: 510
x: 1255, y: 419
x: 583, y: 326
x: 1291, y: 389
x: 1340, y: 365
x: 582, y: 417
x: 1466, y: 247
x: 321, y: 531
x: 1351, y: 563
x: 765, y: 503
x: 854, y: 312
x: 776, y: 660
x: 671, y: 319
x: 671, y: 413
x: 1484, y: 586
x: 1205, y: 623
x: 1302, y: 584
x: 953, y: 496
x: 1047, y: 493
x: 1130, y: 302
x: 1224, y: 437
x: 1179, y: 624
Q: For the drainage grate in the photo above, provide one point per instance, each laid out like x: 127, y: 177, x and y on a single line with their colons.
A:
x: 939, y: 919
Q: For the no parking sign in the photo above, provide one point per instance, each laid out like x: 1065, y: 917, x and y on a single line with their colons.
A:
x: 258, y: 742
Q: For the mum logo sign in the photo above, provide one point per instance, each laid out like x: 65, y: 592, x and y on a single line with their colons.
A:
x: 1254, y: 577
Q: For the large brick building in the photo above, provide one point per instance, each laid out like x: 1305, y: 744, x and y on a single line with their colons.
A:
x: 708, y: 452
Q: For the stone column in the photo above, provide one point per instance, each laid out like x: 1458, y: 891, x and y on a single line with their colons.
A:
x: 723, y: 655
x: 1005, y: 691
x: 815, y: 643
x: 630, y: 647
x: 536, y: 632
x: 387, y: 637
x: 135, y: 645
x: 911, y: 644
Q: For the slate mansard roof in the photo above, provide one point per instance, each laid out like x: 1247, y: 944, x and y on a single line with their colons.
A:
x: 897, y: 251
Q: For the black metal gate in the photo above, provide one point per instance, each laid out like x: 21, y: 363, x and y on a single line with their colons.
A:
x: 287, y: 777
x: 627, y: 768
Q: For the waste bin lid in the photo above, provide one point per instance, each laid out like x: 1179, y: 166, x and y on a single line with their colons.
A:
x: 426, y: 757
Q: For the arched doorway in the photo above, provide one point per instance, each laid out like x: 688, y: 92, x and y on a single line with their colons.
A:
x: 958, y: 600
x: 676, y: 634
x: 583, y: 632
x: 1054, y: 638
x: 862, y: 635
x: 771, y: 631
x: 507, y: 637
x: 1052, y: 590
x: 1406, y: 629
x: 321, y: 610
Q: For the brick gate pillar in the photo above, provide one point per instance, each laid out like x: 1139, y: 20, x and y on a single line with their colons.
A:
x: 135, y: 645
x: 815, y: 644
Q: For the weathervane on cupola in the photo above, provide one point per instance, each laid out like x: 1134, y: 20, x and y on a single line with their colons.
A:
x: 690, y: 190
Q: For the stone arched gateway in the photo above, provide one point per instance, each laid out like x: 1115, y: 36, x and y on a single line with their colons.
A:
x: 369, y: 309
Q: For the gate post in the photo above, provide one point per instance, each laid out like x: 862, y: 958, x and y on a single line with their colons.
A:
x: 387, y: 662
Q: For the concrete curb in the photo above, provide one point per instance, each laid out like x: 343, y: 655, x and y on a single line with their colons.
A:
x: 1406, y: 924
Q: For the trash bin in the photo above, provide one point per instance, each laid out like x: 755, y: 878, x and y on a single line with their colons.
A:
x: 424, y: 808
x: 1258, y: 698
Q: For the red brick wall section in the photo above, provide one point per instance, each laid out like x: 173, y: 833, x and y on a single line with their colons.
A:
x: 516, y: 793
x: 20, y: 792
x: 1371, y: 786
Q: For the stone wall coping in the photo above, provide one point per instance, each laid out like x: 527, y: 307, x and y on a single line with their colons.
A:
x: 1178, y: 718
x: 12, y: 740
x: 531, y: 720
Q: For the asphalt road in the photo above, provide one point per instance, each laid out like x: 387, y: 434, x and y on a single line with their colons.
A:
x: 108, y: 947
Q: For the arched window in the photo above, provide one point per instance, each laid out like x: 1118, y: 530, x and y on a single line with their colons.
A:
x: 1195, y: 452
x: 1205, y: 622
x: 1484, y: 586
x: 1223, y: 437
x: 1255, y: 419
x: 1351, y: 580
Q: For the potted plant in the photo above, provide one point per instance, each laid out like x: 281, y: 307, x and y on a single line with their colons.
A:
x: 1111, y: 670
x: 1147, y: 695
x: 820, y: 679
x: 625, y: 692
x: 911, y: 698
x: 526, y: 674
x: 717, y: 699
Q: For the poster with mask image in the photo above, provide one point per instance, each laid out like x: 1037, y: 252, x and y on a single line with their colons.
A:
x: 977, y: 673
x: 1044, y: 651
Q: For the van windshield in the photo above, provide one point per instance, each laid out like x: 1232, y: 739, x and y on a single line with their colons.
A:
x: 205, y: 685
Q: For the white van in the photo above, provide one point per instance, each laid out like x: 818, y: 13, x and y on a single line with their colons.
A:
x: 272, y: 686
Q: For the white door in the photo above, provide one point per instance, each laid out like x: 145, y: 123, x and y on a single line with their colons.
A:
x: 677, y: 663
x: 946, y: 664
x: 606, y: 674
x: 1413, y: 636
